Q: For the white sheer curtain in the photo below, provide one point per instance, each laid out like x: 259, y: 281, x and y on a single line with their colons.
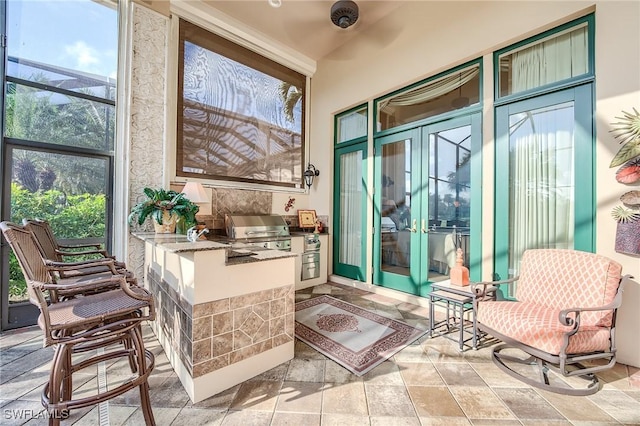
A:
x: 541, y: 180
x: 431, y: 90
x: 541, y: 147
x: 564, y: 56
x: 351, y: 238
x: 352, y: 126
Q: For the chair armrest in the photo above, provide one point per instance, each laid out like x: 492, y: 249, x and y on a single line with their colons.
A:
x: 54, y: 266
x: 78, y: 246
x: 484, y: 288
x: 103, y: 253
x: 574, y: 320
x: 88, y: 285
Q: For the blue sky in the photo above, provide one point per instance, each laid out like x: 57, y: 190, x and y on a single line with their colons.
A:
x: 77, y: 34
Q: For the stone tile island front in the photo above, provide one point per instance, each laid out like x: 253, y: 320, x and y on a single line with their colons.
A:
x: 224, y: 314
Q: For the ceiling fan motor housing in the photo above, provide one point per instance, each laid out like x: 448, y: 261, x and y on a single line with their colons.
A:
x: 344, y: 13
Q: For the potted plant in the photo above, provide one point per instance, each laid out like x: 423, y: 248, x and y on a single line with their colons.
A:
x: 165, y: 208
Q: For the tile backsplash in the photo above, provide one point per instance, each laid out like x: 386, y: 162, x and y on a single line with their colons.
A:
x: 242, y: 201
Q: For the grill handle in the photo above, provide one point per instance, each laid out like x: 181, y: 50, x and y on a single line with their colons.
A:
x: 262, y: 232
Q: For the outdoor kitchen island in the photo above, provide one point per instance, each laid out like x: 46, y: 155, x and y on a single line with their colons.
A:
x: 225, y: 313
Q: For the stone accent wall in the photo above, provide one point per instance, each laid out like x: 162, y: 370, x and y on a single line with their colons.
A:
x: 213, y: 335
x: 147, y: 131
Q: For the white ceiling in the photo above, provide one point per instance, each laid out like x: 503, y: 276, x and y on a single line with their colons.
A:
x: 303, y: 25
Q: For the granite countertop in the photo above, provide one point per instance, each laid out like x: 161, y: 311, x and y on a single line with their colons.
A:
x: 236, y: 253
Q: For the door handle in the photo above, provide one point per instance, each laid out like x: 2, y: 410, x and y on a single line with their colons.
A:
x: 414, y: 227
x: 424, y: 226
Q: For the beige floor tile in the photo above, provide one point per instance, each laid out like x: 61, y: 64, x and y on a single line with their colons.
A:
x: 495, y: 422
x: 300, y: 397
x: 634, y: 377
x: 444, y: 421
x: 547, y: 422
x: 480, y: 403
x: 576, y: 408
x: 169, y: 394
x: 412, y: 353
x: 199, y: 417
x: 493, y: 376
x: 420, y: 374
x: 456, y: 374
x: 221, y: 401
x: 335, y: 373
x: 345, y: 398
x: 385, y: 400
x: 386, y: 373
x: 295, y: 419
x: 618, y: 405
x: 257, y: 395
x: 434, y: 401
x: 439, y: 350
x: 615, y: 378
x: 527, y: 404
x: 304, y: 351
x: 162, y: 416
x: 344, y: 420
x: 394, y: 421
x: 305, y: 370
x: 118, y: 414
x: 247, y: 417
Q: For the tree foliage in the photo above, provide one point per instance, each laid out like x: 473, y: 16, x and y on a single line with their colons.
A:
x: 70, y: 216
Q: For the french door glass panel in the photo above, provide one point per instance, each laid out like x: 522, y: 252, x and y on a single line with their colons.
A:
x: 449, y: 199
x: 544, y: 148
x: 424, y: 203
x: 396, y: 216
x: 350, y: 233
x: 395, y: 208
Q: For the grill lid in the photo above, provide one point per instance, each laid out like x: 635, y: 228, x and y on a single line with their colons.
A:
x: 255, y: 226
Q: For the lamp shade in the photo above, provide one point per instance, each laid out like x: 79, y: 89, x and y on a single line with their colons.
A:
x: 195, y: 192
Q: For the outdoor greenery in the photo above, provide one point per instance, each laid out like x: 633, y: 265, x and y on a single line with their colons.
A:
x: 70, y: 216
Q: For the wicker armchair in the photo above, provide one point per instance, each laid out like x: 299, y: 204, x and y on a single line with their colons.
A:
x: 563, y: 318
x: 109, y: 320
x: 54, y: 255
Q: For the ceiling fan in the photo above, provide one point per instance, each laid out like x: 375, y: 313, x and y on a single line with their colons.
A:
x: 344, y: 13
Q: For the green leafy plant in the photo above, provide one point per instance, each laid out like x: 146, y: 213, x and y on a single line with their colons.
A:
x: 160, y: 201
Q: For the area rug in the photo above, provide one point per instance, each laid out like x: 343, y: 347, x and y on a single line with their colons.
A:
x: 355, y: 338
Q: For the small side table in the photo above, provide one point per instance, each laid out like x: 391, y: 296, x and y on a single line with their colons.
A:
x: 457, y: 301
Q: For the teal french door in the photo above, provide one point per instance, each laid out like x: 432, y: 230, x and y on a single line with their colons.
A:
x: 350, y: 200
x: 544, y: 176
x: 426, y: 203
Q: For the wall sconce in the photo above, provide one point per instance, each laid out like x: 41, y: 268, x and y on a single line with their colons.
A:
x: 310, y: 174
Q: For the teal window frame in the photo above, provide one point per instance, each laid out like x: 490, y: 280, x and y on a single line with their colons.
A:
x: 440, y: 117
x: 587, y: 77
x: 340, y: 148
x: 583, y: 88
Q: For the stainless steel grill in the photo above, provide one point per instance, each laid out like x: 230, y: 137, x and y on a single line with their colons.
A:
x: 268, y: 231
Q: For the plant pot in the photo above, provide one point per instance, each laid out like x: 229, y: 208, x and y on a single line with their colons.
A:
x: 168, y: 226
